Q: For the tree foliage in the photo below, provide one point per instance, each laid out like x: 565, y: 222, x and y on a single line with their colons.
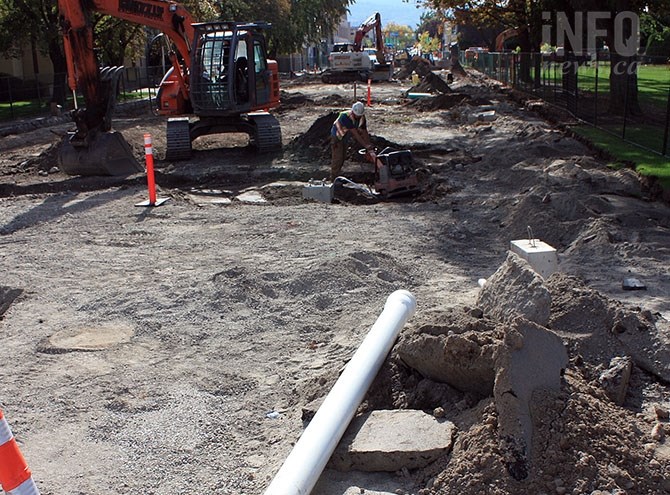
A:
x: 25, y: 22
x: 428, y: 43
x: 294, y: 22
x: 431, y: 22
x: 405, y: 35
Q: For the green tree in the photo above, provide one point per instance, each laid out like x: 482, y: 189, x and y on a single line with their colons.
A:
x: 655, y: 30
x: 118, y: 41
x: 428, y: 43
x: 430, y: 22
x: 404, y: 35
x: 294, y: 22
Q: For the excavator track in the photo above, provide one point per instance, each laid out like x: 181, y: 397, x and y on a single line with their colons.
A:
x: 178, y: 139
x: 267, y: 137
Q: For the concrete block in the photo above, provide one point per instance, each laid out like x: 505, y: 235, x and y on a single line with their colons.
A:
x: 392, y: 440
x: 540, y: 255
x: 318, y: 191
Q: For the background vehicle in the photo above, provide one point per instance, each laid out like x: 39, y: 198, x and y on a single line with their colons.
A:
x: 220, y: 74
x: 351, y: 62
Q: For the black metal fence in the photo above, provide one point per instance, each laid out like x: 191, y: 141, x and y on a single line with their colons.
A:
x: 583, y: 86
x: 23, y: 98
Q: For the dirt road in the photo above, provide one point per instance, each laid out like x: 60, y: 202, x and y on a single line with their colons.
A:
x: 147, y: 345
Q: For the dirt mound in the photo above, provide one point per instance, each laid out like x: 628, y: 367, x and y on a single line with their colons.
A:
x: 316, y: 140
x: 431, y: 83
x: 579, y: 425
x: 290, y: 101
x: 576, y: 427
x: 416, y: 64
x: 335, y: 100
x: 439, y: 102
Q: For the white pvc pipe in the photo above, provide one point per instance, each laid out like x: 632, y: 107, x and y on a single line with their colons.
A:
x: 303, y: 466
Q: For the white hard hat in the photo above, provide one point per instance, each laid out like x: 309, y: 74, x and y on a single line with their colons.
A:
x: 358, y: 109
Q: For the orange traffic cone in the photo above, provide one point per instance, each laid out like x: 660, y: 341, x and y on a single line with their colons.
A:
x: 15, y: 477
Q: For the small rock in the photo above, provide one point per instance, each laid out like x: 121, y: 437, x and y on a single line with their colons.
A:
x: 657, y: 432
x: 43, y: 173
x: 54, y: 170
x: 438, y: 412
x: 615, y: 380
x: 561, y: 490
x: 661, y: 412
x: 476, y: 313
x: 632, y: 284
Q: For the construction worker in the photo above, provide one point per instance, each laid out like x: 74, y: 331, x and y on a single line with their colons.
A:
x: 348, y: 123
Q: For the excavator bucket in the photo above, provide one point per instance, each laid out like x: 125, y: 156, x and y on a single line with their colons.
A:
x: 107, y: 154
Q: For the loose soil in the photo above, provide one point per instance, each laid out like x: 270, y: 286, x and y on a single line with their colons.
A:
x: 143, y: 348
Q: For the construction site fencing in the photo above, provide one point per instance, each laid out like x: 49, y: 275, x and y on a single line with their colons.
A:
x: 34, y: 97
x: 640, y: 114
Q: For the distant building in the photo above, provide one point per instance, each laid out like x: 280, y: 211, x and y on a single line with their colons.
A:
x: 28, y: 66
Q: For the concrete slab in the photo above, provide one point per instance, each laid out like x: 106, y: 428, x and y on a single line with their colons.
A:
x: 532, y: 358
x: 391, y: 440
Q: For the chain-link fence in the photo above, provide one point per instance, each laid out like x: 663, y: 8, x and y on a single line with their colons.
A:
x: 630, y: 100
x: 23, y: 98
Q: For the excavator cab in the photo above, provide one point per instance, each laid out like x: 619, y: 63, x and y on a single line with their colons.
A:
x: 232, y: 84
x: 230, y: 73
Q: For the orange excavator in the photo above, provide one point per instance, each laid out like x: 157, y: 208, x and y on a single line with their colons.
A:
x: 220, y: 81
x: 350, y: 62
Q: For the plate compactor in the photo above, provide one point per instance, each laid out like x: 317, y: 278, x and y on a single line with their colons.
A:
x: 395, y: 174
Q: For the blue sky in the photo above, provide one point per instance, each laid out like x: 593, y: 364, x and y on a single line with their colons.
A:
x: 391, y: 11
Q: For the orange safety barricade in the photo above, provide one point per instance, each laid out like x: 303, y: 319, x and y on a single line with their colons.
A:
x: 15, y: 477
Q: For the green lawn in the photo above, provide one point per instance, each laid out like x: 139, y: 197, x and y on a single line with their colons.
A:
x: 653, y: 80
x: 647, y: 162
x: 21, y: 109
